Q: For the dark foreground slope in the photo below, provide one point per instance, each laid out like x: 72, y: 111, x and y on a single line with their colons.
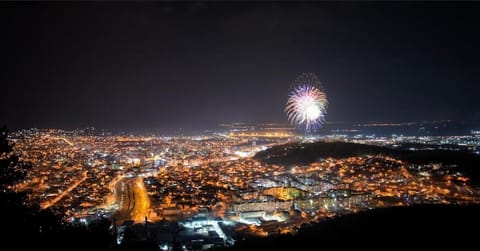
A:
x: 305, y: 153
x: 408, y: 228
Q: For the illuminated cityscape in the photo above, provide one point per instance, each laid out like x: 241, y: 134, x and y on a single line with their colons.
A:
x: 215, y: 184
x: 231, y: 126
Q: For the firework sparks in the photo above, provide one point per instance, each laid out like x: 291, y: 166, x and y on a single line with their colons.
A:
x: 307, y: 103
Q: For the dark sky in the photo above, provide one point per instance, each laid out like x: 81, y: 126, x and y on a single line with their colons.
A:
x: 161, y: 66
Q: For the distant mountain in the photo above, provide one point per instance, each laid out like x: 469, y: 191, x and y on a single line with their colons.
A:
x: 305, y: 153
x: 427, y: 227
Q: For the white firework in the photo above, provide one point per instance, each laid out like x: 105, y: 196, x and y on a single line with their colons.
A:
x: 307, y: 103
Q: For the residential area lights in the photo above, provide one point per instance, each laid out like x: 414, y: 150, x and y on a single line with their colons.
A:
x: 201, y: 179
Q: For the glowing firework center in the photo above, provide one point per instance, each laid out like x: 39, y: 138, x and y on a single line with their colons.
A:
x: 309, y: 110
x: 307, y: 103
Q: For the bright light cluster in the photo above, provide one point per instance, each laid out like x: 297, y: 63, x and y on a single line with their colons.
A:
x: 307, y: 103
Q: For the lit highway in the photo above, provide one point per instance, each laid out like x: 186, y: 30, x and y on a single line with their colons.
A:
x: 133, y: 200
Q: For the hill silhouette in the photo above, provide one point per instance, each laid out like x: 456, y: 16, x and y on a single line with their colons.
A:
x: 408, y: 228
x: 305, y: 153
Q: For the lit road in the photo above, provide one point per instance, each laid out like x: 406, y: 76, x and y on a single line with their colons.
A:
x: 53, y: 201
x: 133, y: 200
x: 61, y: 138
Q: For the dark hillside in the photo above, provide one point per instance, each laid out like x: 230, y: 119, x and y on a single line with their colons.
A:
x: 408, y: 228
x: 305, y: 153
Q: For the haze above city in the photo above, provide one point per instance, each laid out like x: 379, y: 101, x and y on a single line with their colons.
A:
x: 165, y: 66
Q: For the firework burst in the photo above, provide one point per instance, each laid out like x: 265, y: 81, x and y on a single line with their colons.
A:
x: 307, y: 103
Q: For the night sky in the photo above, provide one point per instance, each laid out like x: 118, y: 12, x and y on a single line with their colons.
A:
x: 164, y: 66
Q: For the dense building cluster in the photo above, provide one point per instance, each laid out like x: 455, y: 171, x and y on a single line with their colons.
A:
x: 212, y: 187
